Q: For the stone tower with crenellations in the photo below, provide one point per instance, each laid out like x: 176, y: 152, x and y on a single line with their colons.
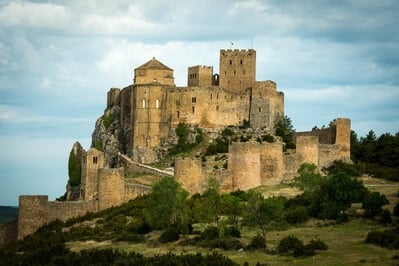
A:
x: 237, y: 69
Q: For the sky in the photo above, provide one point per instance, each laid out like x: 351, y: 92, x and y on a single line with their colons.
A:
x: 58, y: 59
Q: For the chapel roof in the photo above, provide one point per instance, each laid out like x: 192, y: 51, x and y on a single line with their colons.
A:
x: 154, y: 64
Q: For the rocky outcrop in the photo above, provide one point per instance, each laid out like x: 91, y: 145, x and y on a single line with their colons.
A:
x: 110, y: 135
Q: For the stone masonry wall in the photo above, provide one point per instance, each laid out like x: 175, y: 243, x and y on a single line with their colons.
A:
x: 32, y: 214
x: 207, y: 107
x: 237, y: 69
x: 133, y: 191
x: 111, y: 187
x: 272, y: 163
x: 200, y: 76
x: 244, y: 165
x: 69, y: 209
x: 8, y: 232
x: 308, y: 148
x: 189, y: 173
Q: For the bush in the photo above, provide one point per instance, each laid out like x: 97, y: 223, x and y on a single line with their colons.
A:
x: 232, y: 231
x: 396, y: 209
x: 291, y: 244
x: 385, y: 217
x: 373, y: 202
x: 388, y: 238
x: 257, y: 242
x: 169, y: 235
x: 296, y: 215
x: 317, y: 244
x: 210, y: 233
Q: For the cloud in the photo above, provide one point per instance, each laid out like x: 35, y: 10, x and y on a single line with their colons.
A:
x: 34, y: 15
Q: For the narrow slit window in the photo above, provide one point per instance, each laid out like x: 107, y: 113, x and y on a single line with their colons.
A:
x: 156, y: 103
x: 193, y: 109
x: 143, y: 102
x: 178, y: 114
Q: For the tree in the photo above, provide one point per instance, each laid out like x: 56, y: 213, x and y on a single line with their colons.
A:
x: 166, y: 204
x: 212, y: 202
x: 260, y: 211
x: 373, y: 202
x: 285, y: 130
x: 336, y: 195
x: 308, y: 179
x: 75, y: 165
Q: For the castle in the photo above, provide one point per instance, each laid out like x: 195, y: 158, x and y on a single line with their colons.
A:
x: 140, y: 121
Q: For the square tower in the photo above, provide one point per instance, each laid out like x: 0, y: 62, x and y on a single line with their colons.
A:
x: 200, y: 76
x: 237, y: 69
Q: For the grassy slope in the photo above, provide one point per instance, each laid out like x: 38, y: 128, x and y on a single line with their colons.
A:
x: 345, y: 241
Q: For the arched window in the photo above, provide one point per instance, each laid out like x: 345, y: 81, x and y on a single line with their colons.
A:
x: 156, y: 103
x: 143, y: 101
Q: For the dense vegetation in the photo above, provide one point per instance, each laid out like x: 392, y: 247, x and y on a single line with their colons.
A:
x: 74, y: 168
x: 378, y: 157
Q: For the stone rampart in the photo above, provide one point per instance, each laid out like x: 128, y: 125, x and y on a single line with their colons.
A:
x: 69, y: 209
x: 308, y: 148
x: 244, y: 165
x: 189, y: 173
x: 8, y: 232
x: 292, y: 162
x: 111, y: 187
x: 272, y: 163
x: 133, y: 191
x: 32, y: 214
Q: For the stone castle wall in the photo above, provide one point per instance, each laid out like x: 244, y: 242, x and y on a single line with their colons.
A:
x: 308, y: 148
x: 133, y: 191
x: 111, y: 187
x: 244, y: 165
x: 267, y: 105
x: 189, y: 173
x: 8, y: 232
x: 207, y: 107
x: 36, y: 211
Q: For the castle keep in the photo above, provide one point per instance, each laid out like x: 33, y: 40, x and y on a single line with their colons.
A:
x: 138, y: 128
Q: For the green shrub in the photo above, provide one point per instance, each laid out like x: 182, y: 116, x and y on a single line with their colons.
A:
x: 396, y: 209
x: 388, y: 238
x: 227, y: 132
x: 169, y: 235
x: 291, y: 245
x: 257, y: 242
x: 107, y: 120
x: 232, y: 231
x: 385, y: 217
x: 268, y: 138
x: 317, y: 244
x: 296, y: 215
x: 210, y: 233
x: 373, y: 202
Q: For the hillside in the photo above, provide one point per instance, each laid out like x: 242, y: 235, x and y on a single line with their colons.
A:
x: 8, y: 214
